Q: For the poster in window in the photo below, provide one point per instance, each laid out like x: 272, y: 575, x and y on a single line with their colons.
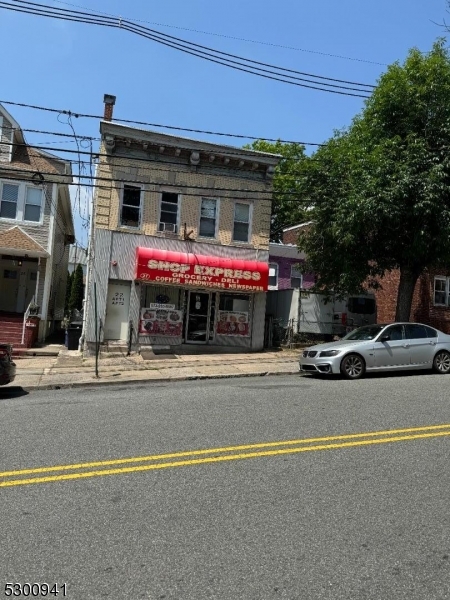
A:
x: 161, y: 320
x: 233, y: 323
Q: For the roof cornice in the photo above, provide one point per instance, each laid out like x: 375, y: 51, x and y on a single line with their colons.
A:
x: 163, y: 140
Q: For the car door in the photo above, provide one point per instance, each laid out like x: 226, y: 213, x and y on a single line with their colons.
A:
x: 422, y: 345
x: 393, y: 352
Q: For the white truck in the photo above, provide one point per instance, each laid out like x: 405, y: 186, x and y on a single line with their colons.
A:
x: 336, y: 317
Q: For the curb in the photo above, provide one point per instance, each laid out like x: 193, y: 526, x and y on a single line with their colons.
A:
x: 17, y: 355
x: 94, y: 384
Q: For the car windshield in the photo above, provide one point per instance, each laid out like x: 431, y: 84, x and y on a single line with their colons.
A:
x: 368, y: 332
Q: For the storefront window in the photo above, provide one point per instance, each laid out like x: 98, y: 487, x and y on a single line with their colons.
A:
x: 159, y: 294
x: 234, y: 302
x: 234, y: 315
x: 161, y: 311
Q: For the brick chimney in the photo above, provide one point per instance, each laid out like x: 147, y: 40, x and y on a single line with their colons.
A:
x: 109, y: 102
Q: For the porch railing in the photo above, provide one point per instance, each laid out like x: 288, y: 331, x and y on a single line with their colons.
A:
x: 25, y: 318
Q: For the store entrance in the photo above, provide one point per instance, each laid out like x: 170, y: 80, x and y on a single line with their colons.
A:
x: 201, y: 309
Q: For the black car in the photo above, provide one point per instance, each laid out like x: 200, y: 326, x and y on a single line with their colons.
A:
x: 7, y: 366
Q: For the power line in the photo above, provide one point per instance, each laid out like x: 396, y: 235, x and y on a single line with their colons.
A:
x: 47, y: 195
x: 257, y: 193
x: 122, y: 23
x: 147, y: 124
x: 231, y: 37
x: 55, y: 133
x: 273, y: 72
x: 112, y: 157
x: 260, y: 72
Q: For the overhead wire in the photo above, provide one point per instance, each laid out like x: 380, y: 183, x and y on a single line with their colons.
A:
x: 47, y: 196
x: 248, y: 192
x: 232, y: 37
x: 121, y: 23
x: 81, y: 168
x: 147, y: 124
x: 112, y: 157
x: 264, y: 70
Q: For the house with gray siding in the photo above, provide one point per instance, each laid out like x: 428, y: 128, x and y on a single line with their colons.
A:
x: 36, y: 228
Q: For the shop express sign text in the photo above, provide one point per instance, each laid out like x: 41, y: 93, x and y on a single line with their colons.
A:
x: 180, y: 268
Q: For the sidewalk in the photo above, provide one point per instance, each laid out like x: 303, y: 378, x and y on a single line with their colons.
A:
x: 68, y: 369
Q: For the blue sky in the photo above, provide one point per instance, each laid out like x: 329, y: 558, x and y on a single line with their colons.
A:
x: 70, y: 66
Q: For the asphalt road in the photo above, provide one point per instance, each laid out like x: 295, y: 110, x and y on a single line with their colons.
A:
x: 361, y: 517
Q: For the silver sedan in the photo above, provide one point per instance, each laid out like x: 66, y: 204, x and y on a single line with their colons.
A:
x: 396, y: 346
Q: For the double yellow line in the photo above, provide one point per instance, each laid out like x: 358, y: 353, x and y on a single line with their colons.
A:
x: 216, y: 455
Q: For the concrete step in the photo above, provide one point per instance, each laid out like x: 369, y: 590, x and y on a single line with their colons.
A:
x: 10, y: 328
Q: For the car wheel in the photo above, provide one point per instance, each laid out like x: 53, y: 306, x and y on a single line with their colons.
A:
x: 353, y: 366
x: 441, y: 362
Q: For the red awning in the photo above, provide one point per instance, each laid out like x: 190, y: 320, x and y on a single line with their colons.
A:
x: 198, y: 270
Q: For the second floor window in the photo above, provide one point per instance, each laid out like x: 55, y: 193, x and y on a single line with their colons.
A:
x: 208, y: 217
x: 21, y: 202
x: 241, y: 226
x: 130, y: 213
x: 296, y: 278
x: 10, y: 197
x: 168, y: 220
x: 33, y: 204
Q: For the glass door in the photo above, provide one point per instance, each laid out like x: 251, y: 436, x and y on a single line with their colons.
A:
x: 198, y: 317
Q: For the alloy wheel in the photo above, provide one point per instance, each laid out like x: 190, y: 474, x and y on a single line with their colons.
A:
x: 353, y: 366
x: 442, y: 362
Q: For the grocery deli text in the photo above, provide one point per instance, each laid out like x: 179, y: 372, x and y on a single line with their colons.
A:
x: 177, y: 273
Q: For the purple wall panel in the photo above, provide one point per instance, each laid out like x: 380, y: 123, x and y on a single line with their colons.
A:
x: 284, y: 272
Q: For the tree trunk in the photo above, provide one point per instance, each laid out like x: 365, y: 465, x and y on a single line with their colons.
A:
x: 408, y: 279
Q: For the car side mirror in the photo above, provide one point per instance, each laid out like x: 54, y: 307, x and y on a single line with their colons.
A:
x: 385, y: 338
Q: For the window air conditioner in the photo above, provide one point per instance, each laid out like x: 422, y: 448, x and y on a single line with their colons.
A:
x: 168, y: 227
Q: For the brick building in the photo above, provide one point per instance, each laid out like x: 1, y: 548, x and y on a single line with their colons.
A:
x: 36, y: 228
x: 180, y: 243
x: 431, y: 300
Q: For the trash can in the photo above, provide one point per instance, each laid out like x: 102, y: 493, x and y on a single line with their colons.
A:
x: 73, y: 335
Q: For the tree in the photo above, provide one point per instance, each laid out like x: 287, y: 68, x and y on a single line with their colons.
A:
x: 287, y: 184
x: 381, y: 189
x: 76, y: 294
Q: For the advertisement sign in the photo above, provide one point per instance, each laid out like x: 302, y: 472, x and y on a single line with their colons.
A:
x: 155, y: 305
x: 233, y: 323
x: 161, y: 319
x: 197, y: 270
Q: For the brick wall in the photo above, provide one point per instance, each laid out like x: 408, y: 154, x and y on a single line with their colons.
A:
x: 107, y: 201
x: 291, y: 236
x: 422, y: 309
